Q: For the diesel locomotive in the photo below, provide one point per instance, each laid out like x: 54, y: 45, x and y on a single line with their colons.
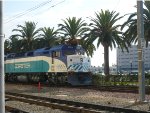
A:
x: 56, y: 65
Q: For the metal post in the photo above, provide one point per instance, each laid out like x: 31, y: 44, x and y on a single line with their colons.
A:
x: 2, y: 92
x: 131, y: 67
x: 141, y: 43
x: 120, y: 68
x: 117, y: 69
x: 117, y: 64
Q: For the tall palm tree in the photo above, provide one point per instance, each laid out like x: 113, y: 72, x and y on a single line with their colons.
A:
x: 131, y: 25
x: 28, y: 33
x: 88, y: 47
x: 105, y: 32
x: 74, y: 31
x: 15, y: 44
x: 49, y: 36
x: 7, y: 46
x: 38, y: 43
x: 72, y: 28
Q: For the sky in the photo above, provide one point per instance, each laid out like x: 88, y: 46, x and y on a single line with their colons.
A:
x: 49, y: 13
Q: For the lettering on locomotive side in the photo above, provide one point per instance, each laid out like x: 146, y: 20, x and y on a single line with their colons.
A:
x: 26, y: 65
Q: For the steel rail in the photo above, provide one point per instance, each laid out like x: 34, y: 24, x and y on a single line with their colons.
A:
x: 14, y: 110
x: 54, y: 105
x: 124, y: 89
x: 77, y: 107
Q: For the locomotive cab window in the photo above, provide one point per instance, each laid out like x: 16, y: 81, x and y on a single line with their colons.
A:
x: 56, y: 54
x: 69, y: 52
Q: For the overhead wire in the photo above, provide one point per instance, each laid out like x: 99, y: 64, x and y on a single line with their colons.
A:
x: 43, y: 11
x: 51, y: 7
x: 27, y: 11
x: 57, y: 4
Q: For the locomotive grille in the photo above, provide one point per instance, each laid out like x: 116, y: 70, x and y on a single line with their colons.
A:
x: 79, y: 67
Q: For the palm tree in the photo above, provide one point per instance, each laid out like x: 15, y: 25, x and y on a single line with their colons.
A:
x: 38, y: 43
x: 61, y: 40
x: 49, y: 36
x: 105, y: 32
x: 15, y: 44
x: 28, y: 33
x: 72, y: 28
x: 7, y: 46
x: 131, y: 25
x: 87, y: 45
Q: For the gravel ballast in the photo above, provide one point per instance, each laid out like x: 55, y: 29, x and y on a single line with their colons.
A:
x: 125, y: 100
x: 32, y: 108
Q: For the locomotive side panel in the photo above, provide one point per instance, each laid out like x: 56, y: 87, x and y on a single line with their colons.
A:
x: 58, y: 66
x: 42, y: 64
x: 9, y: 65
x: 34, y: 64
x: 27, y: 65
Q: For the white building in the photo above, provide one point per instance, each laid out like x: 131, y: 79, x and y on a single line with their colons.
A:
x: 128, y: 61
x: 112, y: 69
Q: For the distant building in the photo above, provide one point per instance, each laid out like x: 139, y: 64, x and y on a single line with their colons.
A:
x: 112, y: 69
x: 128, y: 61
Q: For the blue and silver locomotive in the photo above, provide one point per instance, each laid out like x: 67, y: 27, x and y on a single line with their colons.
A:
x: 57, y: 65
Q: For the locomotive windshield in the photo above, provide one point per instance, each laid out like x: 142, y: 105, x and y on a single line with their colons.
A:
x: 69, y: 52
x: 74, y: 50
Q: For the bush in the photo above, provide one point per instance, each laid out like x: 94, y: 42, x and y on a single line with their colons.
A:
x: 118, y: 80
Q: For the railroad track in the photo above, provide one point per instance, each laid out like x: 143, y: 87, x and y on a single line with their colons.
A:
x: 124, y: 89
x: 14, y: 110
x: 66, y: 105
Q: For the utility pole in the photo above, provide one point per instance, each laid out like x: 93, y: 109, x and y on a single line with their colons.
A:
x: 2, y: 89
x: 141, y: 44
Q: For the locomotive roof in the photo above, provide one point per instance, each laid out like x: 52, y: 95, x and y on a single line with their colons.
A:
x: 62, y: 47
x: 41, y: 51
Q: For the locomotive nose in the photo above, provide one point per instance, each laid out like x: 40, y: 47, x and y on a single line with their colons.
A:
x: 78, y: 63
x: 78, y: 67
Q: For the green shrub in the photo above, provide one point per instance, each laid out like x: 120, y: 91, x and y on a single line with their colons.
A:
x: 118, y: 80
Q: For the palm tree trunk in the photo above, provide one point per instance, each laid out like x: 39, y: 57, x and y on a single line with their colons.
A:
x: 106, y: 60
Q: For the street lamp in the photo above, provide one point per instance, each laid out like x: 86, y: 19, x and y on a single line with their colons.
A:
x: 120, y: 69
x: 130, y: 66
x: 117, y: 69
